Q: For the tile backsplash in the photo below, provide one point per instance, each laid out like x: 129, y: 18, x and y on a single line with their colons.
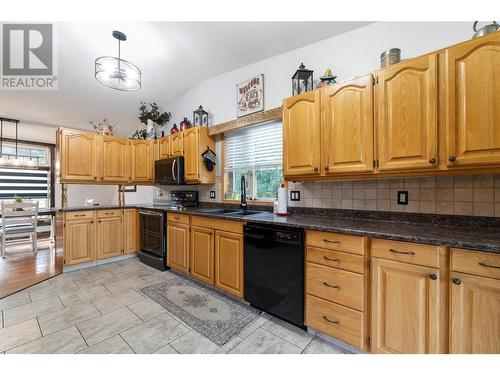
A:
x: 477, y: 195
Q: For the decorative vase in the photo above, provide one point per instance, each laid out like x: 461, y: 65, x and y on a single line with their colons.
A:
x: 185, y: 124
x: 174, y: 129
x: 150, y: 130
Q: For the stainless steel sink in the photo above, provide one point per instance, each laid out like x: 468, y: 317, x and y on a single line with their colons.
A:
x: 225, y: 211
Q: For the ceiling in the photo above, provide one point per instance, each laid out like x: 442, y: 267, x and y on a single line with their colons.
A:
x: 173, y: 56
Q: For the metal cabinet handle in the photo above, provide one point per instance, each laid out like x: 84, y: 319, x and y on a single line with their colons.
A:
x: 331, y: 259
x: 402, y: 252
x: 316, y: 169
x: 457, y: 281
x: 331, y: 286
x: 433, y: 276
x: 488, y: 265
x: 331, y: 321
x: 79, y: 215
x: 452, y: 158
x: 331, y: 241
x: 327, y: 168
x: 432, y: 161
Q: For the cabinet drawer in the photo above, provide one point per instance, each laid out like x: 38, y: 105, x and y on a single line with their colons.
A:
x: 178, y: 218
x: 336, y: 321
x: 109, y: 213
x: 78, y: 215
x: 424, y: 255
x: 336, y: 259
x: 476, y: 263
x: 335, y: 241
x: 217, y: 224
x: 343, y: 287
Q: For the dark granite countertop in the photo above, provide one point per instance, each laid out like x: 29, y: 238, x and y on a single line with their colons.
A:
x: 472, y: 237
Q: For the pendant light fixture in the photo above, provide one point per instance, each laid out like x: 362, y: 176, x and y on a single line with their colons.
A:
x: 117, y: 73
x: 14, y: 160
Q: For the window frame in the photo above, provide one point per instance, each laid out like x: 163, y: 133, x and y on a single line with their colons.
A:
x: 224, y: 180
x: 52, y: 152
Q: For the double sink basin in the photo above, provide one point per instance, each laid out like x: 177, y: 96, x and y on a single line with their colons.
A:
x: 227, y: 212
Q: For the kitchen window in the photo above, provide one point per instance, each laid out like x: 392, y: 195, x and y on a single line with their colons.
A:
x: 257, y: 153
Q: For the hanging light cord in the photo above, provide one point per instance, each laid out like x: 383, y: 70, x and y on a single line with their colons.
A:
x: 17, y: 122
x: 1, y: 137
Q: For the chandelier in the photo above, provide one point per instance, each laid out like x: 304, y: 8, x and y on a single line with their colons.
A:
x: 13, y: 159
x: 117, y: 73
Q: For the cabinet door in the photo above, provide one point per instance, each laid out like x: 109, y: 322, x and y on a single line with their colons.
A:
x: 178, y: 246
x: 473, y: 102
x: 229, y: 262
x: 347, y: 126
x: 164, y: 144
x: 109, y: 237
x: 475, y: 314
x: 177, y: 144
x: 407, y: 115
x: 114, y: 159
x: 130, y: 231
x: 202, y: 254
x: 142, y: 161
x: 192, y: 157
x: 405, y: 308
x: 78, y: 156
x: 301, y: 134
x: 79, y: 241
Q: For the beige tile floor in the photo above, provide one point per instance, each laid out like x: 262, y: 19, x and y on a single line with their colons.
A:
x: 101, y: 310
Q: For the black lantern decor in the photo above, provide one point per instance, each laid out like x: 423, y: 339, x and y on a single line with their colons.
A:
x: 200, y: 117
x: 302, y: 80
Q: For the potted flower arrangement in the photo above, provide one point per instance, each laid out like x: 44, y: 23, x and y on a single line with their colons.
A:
x: 150, y: 115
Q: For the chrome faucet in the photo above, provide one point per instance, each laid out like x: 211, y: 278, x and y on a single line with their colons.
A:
x: 243, y: 193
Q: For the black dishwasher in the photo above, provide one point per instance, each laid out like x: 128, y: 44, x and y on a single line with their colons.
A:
x: 274, y: 270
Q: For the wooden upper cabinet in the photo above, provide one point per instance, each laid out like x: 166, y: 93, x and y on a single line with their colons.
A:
x: 202, y: 254
x: 229, y: 262
x: 178, y: 246
x: 301, y: 134
x: 407, y: 115
x: 347, y: 126
x: 473, y: 102
x: 114, y: 159
x: 142, y: 161
x: 78, y: 156
x: 164, y: 147
x: 177, y: 144
x: 79, y: 241
x: 192, y: 156
x: 405, y: 308
x: 475, y: 317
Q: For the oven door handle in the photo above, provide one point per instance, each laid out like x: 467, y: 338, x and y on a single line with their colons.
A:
x: 150, y: 213
x: 173, y: 170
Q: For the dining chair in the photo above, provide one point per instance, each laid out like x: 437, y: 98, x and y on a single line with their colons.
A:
x: 19, y: 220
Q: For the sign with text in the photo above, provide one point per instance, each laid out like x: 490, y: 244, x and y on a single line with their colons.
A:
x: 28, y: 58
x: 250, y: 96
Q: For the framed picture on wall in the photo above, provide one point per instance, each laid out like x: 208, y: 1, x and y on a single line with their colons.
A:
x: 250, y: 96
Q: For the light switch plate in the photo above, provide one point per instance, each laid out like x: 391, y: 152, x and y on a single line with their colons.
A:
x: 403, y: 197
x: 212, y: 194
x: 295, y: 195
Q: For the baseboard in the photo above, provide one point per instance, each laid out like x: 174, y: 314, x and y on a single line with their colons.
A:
x: 337, y: 342
x: 99, y: 262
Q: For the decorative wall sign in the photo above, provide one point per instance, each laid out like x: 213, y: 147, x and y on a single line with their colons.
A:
x: 250, y: 96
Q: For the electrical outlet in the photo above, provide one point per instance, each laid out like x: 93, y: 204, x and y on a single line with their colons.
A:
x: 403, y: 197
x: 212, y: 194
x: 295, y: 195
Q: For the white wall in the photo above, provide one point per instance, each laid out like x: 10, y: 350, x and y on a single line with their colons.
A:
x: 351, y: 54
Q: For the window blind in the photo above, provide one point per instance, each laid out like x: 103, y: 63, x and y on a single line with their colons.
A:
x: 26, y: 183
x: 258, y: 146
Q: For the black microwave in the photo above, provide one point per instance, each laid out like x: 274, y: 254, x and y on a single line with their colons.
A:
x: 170, y: 171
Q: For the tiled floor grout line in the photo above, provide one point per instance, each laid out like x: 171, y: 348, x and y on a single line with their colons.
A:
x: 123, y: 338
x: 281, y: 338
x: 83, y: 338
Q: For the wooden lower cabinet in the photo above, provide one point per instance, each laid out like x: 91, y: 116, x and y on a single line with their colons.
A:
x: 405, y: 308
x: 109, y: 237
x: 79, y: 241
x: 202, y: 254
x: 475, y: 314
x: 130, y: 231
x: 178, y: 246
x: 229, y: 262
